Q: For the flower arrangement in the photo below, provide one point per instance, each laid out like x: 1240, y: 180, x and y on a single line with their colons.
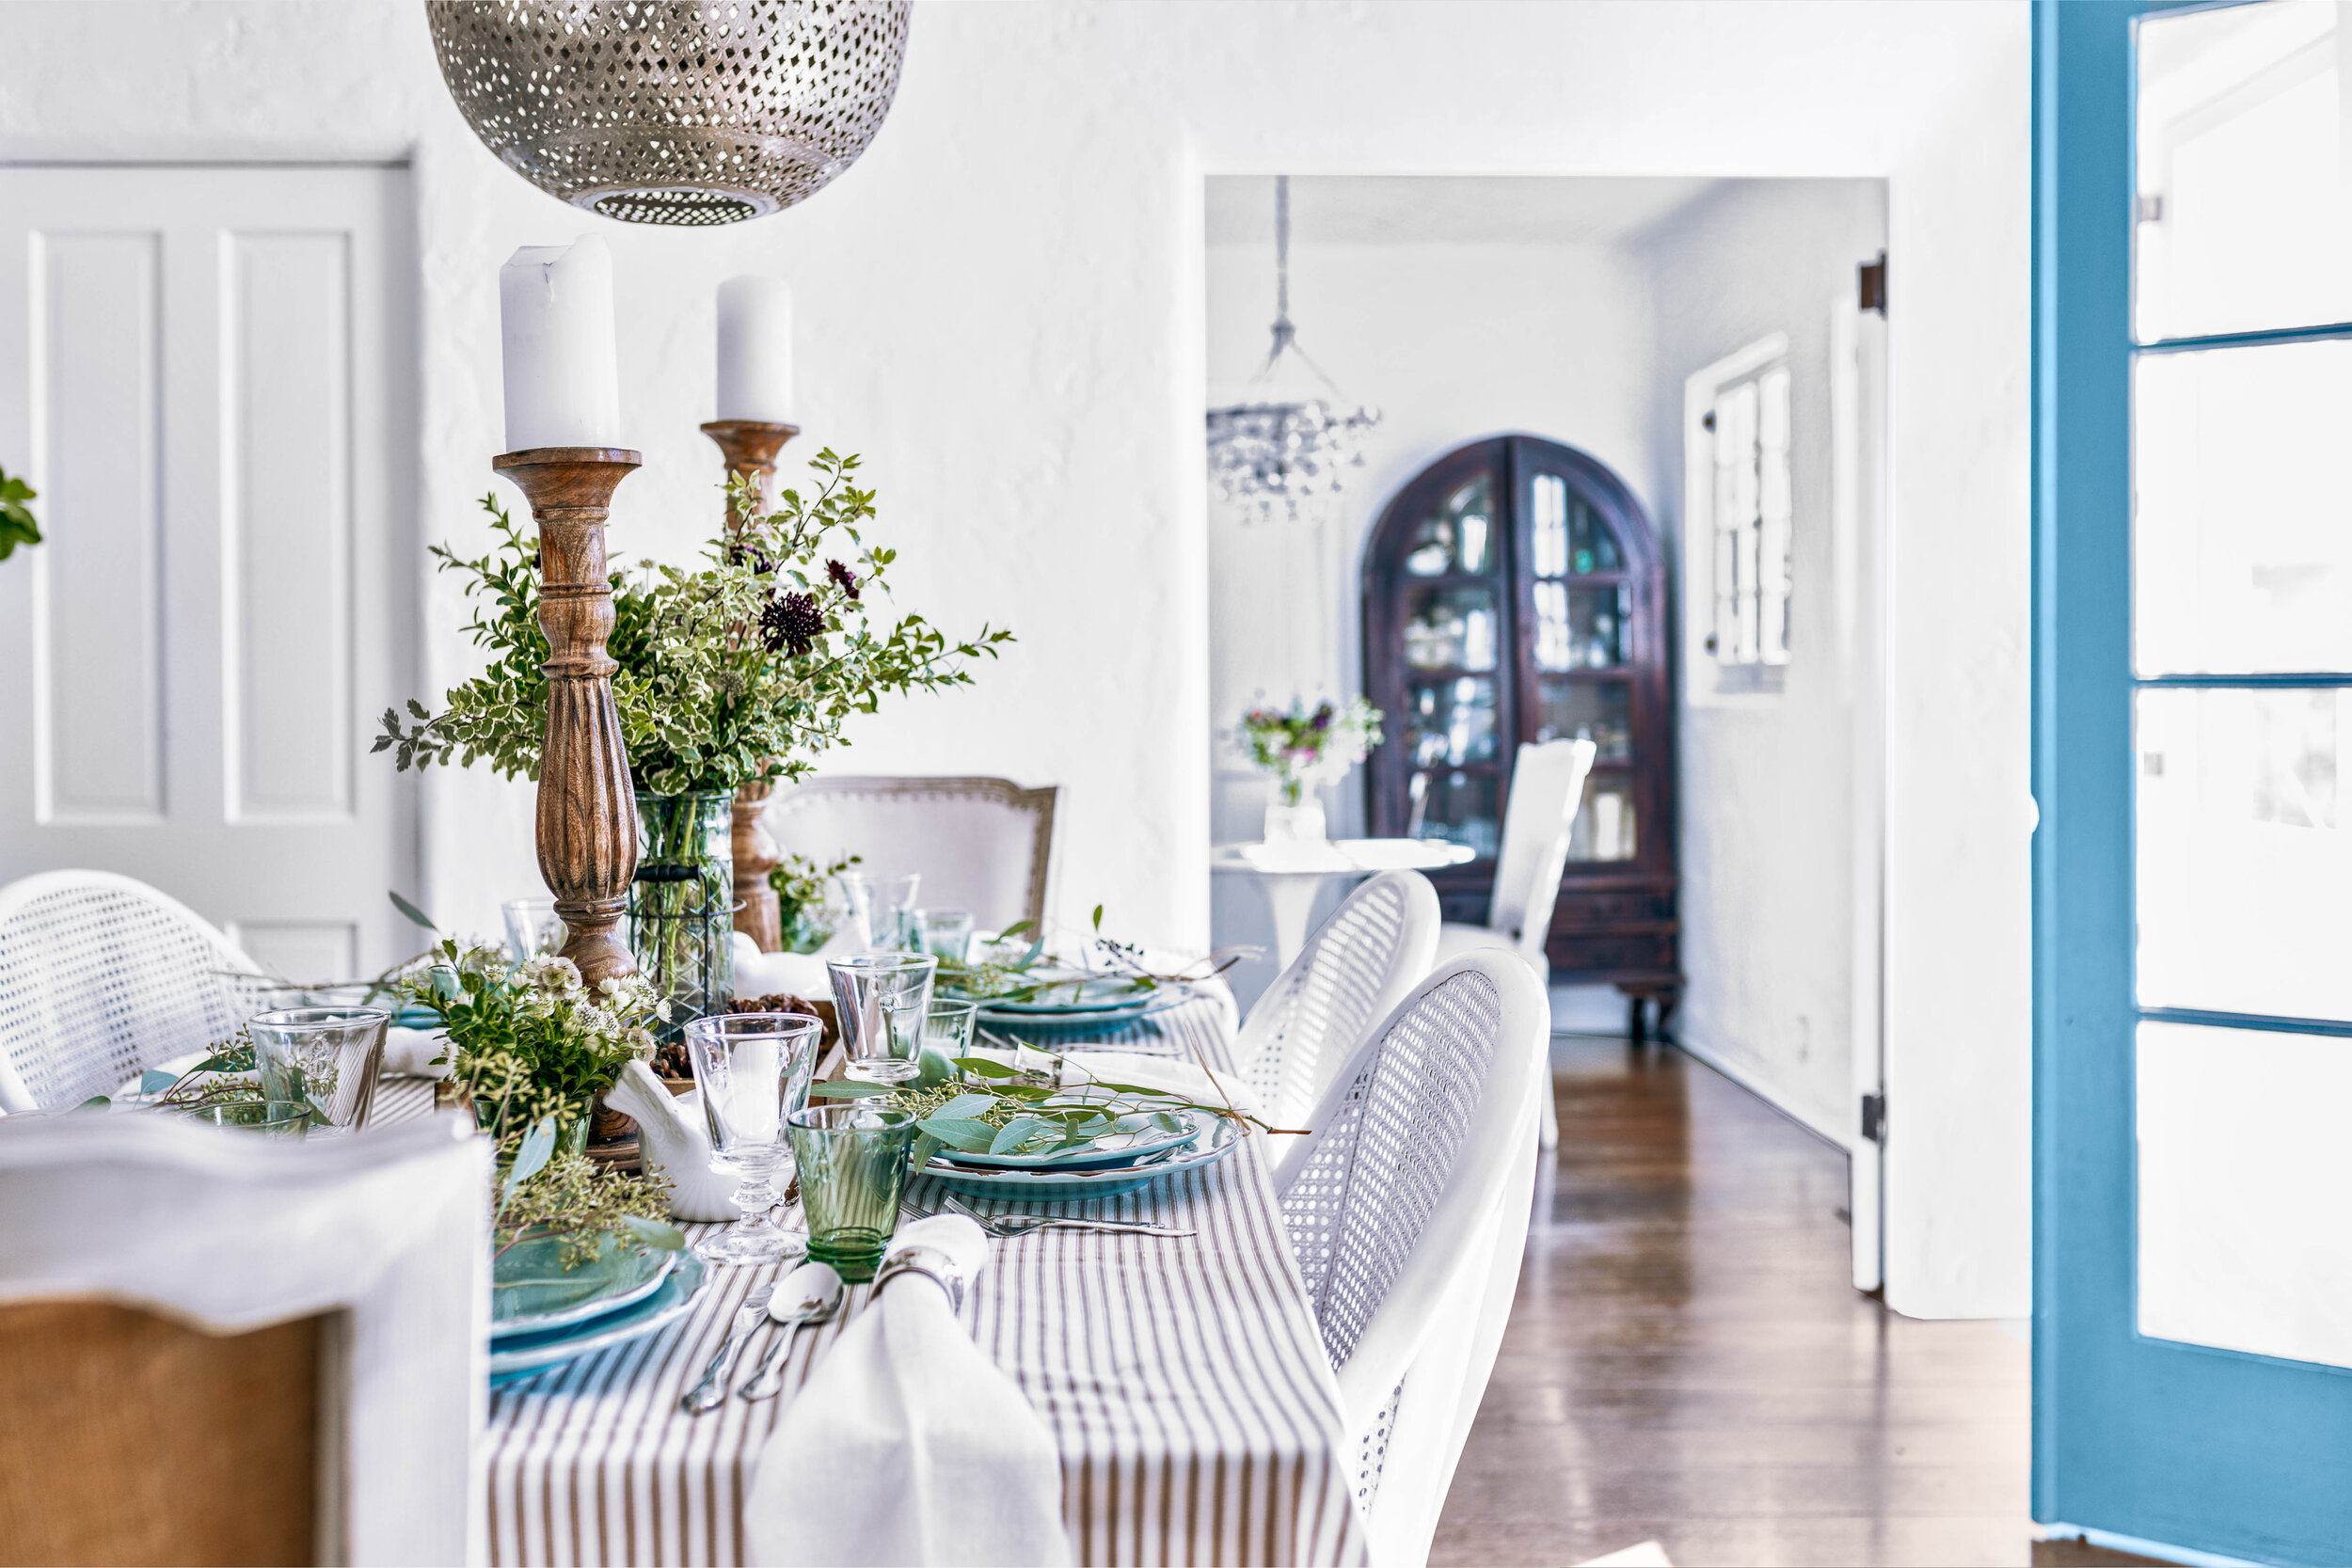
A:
x: 738, y: 671
x: 1302, y: 747
x: 529, y: 1042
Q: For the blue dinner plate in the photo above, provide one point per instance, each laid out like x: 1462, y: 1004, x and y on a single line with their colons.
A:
x: 512, y: 1360
x: 531, y: 1291
x: 1123, y: 1149
x: 1062, y: 1186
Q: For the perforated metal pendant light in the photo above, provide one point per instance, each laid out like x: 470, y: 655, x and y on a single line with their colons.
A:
x: 674, y: 111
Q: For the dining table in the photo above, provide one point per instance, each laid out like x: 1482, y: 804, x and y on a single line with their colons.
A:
x: 1184, y: 1380
x: 1294, y: 874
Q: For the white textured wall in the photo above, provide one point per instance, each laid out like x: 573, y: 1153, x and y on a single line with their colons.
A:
x: 1767, y: 819
x: 1002, y: 305
x: 1451, y: 343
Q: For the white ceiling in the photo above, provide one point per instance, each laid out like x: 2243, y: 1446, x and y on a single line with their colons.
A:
x: 1426, y: 209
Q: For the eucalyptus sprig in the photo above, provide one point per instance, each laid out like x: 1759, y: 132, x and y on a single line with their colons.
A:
x: 980, y: 1105
x: 590, y: 1208
x: 741, y: 670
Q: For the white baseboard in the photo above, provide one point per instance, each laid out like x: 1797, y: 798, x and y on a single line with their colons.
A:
x: 2137, y: 1546
x: 1748, y: 1079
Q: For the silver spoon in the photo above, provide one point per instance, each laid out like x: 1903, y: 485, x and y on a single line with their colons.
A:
x: 811, y: 1293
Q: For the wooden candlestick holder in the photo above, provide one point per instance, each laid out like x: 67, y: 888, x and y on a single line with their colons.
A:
x: 750, y: 448
x: 587, y: 831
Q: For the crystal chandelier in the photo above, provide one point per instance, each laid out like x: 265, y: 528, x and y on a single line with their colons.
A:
x: 1282, y: 453
x: 691, y: 112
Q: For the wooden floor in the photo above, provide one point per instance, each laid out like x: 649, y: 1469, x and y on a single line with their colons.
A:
x: 1689, y: 1362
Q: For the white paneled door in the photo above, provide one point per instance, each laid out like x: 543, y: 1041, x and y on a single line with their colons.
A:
x: 207, y: 373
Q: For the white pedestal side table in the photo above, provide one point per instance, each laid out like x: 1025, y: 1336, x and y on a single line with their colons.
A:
x: 1294, y: 874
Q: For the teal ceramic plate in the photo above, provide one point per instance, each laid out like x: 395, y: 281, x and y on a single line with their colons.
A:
x: 1077, y: 995
x: 1063, y: 1186
x: 530, y: 1293
x: 514, y: 1359
x: 1123, y: 1149
x: 1086, y: 1018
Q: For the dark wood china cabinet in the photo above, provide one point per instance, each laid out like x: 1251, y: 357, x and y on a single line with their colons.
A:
x: 1514, y: 593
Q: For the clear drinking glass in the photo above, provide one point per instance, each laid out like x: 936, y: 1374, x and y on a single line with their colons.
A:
x: 852, y: 1162
x: 882, y: 907
x: 753, y: 1071
x: 947, y: 1028
x: 944, y: 933
x: 285, y: 1118
x: 326, y: 1057
x: 534, y: 930
x: 881, y: 999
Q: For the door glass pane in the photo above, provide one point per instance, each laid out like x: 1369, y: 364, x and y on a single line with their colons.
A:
x: 2244, y: 862
x: 2244, y: 221
x: 1580, y: 628
x: 1603, y: 830
x: 1455, y: 808
x: 1597, y: 711
x: 1459, y: 537
x: 2243, y: 521
x: 2243, y: 1168
x: 1451, y: 721
x: 1451, y: 629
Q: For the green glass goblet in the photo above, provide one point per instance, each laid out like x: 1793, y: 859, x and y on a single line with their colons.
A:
x: 853, y: 1162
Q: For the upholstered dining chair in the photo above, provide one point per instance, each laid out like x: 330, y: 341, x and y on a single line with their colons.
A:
x: 1359, y: 964
x: 101, y: 975
x: 222, y: 1347
x: 983, y: 845
x: 1408, y: 1208
x: 1547, y: 787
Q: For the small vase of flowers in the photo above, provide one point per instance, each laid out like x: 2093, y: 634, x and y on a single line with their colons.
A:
x: 1302, y: 746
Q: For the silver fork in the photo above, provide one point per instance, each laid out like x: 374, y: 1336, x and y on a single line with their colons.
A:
x: 1006, y: 1226
x: 711, y: 1392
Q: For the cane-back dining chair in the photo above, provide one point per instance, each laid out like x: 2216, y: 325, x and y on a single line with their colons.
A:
x: 1407, y: 1207
x: 222, y: 1347
x: 1357, y: 966
x: 983, y: 845
x: 101, y: 976
x: 1547, y: 787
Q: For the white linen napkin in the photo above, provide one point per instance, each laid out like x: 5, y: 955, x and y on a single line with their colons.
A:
x: 409, y: 1053
x: 1196, y: 1083
x: 673, y: 1138
x: 758, y: 974
x: 907, y: 1445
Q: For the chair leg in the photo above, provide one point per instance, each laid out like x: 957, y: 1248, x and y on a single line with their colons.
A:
x: 1547, y: 1132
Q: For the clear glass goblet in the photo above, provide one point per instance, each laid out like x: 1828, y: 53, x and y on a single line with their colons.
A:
x: 753, y: 1071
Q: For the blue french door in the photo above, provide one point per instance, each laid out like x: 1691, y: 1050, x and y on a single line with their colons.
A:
x: 2193, y: 768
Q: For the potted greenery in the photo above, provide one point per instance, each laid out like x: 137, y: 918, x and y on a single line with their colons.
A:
x: 739, y: 671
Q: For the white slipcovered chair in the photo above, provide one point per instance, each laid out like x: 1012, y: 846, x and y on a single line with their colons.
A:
x: 1359, y: 964
x: 1547, y: 786
x: 101, y: 976
x: 983, y: 845
x: 217, y: 1346
x: 1408, y: 1206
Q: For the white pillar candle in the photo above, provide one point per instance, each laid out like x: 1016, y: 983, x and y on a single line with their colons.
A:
x: 756, y: 350
x: 556, y: 318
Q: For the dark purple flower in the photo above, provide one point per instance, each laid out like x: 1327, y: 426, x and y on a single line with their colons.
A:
x: 790, y: 623
x: 739, y: 553
x: 842, y: 575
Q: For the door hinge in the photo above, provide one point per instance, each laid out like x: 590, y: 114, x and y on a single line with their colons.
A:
x: 1870, y: 284
x: 1874, y: 1118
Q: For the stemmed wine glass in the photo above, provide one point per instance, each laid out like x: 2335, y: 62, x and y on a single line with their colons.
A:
x: 753, y: 1071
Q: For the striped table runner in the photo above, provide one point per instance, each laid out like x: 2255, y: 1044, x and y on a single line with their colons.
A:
x: 1183, y: 1381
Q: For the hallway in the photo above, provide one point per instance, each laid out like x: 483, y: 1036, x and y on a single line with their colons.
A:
x: 1687, y: 1362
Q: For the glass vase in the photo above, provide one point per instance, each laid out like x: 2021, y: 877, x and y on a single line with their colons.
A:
x: 681, y: 907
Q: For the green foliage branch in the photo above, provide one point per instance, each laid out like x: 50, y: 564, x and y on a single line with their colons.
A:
x: 742, y: 670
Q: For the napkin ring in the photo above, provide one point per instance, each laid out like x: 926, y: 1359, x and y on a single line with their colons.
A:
x: 932, y: 1264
